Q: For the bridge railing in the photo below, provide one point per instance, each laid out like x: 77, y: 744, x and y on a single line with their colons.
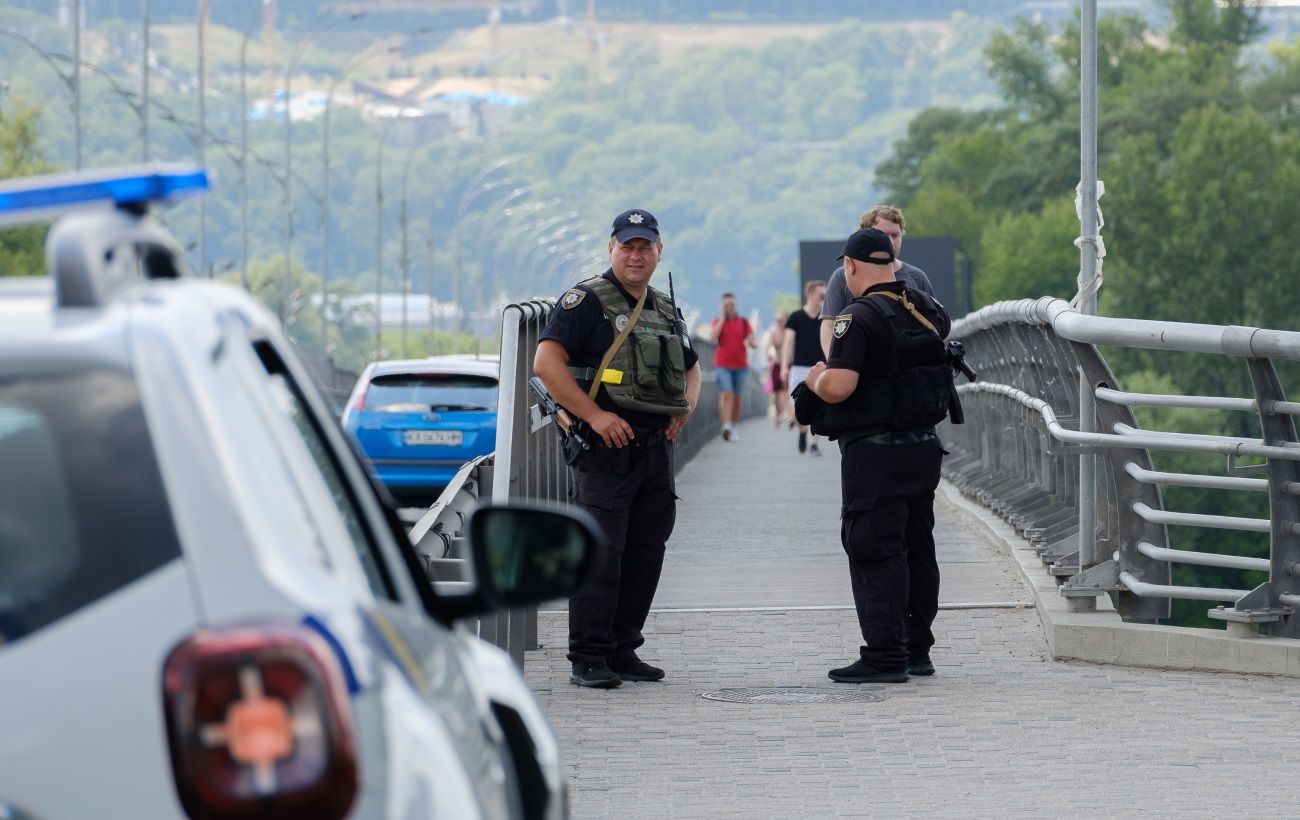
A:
x: 527, y: 462
x: 1018, y: 454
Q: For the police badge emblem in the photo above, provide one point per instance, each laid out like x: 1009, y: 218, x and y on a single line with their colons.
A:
x: 636, y: 219
x: 621, y: 322
x: 842, y: 323
x: 571, y: 298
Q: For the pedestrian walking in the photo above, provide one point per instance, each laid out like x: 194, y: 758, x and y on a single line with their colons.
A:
x: 886, y: 385
x: 773, y: 340
x: 802, y: 348
x: 732, y: 335
x: 614, y: 355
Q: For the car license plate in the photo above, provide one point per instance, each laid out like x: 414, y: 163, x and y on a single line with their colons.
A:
x: 444, y: 438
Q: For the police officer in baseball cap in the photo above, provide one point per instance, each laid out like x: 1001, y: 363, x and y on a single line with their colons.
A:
x: 612, y: 355
x: 887, y: 383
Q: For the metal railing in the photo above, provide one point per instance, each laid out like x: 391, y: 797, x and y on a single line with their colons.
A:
x: 528, y: 463
x: 1016, y: 454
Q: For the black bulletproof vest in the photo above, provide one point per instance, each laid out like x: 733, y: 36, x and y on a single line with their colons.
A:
x: 913, y: 395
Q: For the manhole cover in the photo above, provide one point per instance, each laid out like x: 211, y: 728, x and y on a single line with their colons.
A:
x: 796, y: 694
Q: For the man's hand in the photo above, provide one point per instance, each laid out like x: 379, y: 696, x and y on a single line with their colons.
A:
x: 611, y: 428
x: 814, y: 374
x: 675, y: 425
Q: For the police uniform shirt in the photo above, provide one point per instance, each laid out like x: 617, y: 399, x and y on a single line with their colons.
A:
x: 860, y: 338
x: 586, y: 335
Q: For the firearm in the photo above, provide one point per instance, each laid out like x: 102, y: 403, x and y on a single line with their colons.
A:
x: 957, y: 358
x: 574, y: 432
x: 678, y: 323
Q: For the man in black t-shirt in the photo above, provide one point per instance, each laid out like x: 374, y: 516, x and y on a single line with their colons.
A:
x: 637, y: 410
x: 802, y: 348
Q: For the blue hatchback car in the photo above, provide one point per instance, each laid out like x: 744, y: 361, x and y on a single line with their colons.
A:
x: 420, y: 420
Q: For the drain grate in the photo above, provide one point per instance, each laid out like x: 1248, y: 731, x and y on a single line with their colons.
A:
x: 796, y: 694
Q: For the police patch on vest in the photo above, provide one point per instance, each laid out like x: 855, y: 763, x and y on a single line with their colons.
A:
x: 842, y: 323
x: 572, y: 298
x: 620, y: 323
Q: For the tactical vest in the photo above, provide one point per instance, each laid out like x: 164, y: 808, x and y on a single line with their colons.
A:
x: 916, y: 392
x: 648, y: 372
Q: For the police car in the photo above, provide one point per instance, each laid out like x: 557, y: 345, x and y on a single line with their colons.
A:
x: 205, y: 608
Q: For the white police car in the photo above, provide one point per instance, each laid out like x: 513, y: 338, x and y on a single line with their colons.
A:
x: 204, y: 606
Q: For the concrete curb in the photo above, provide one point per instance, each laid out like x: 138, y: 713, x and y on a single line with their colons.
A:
x: 1101, y: 637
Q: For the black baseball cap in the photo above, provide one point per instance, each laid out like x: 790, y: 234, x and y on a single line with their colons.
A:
x: 867, y: 244
x: 635, y: 224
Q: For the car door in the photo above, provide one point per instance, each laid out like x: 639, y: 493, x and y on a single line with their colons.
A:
x: 430, y: 709
x: 92, y: 593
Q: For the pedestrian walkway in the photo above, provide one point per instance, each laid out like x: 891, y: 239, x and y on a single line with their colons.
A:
x: 755, y: 595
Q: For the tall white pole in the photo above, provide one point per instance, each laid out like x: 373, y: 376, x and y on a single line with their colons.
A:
x: 1087, y: 271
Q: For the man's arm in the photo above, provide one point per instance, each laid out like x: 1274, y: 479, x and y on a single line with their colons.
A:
x: 714, y: 331
x: 750, y: 339
x: 827, y: 331
x: 676, y: 423
x: 833, y: 384
x: 551, y: 364
x: 787, y: 352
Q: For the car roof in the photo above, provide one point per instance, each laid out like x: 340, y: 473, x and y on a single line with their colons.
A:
x: 472, y: 364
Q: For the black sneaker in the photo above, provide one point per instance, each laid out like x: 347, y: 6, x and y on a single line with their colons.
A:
x: 862, y: 672
x: 726, y: 434
x: 813, y: 449
x: 803, y: 442
x: 594, y: 675
x: 630, y: 667
x: 920, y: 666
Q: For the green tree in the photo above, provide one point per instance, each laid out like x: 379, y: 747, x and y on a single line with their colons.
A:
x: 22, y: 250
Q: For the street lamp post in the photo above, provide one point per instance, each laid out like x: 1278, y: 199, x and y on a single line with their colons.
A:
x: 288, y: 151
x: 353, y: 61
x: 204, y: 9
x: 379, y: 230
x: 144, y: 81
x: 477, y: 186
x: 70, y: 80
x: 76, y: 80
x: 486, y: 296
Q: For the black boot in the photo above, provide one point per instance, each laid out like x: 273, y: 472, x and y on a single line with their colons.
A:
x: 594, y: 675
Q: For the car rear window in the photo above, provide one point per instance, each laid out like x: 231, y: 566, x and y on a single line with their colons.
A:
x: 82, y: 506
x: 431, y: 392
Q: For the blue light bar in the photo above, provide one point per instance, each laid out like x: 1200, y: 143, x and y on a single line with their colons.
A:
x: 35, y: 199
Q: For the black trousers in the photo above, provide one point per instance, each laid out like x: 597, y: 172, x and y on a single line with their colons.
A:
x: 637, y: 508
x: 887, y: 529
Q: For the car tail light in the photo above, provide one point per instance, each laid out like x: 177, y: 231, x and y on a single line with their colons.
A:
x: 360, y: 403
x: 259, y: 725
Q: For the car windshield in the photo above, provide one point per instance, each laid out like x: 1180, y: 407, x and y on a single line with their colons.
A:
x: 426, y: 392
x: 82, y: 506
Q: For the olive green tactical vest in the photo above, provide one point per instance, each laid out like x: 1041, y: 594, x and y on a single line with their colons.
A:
x: 648, y: 372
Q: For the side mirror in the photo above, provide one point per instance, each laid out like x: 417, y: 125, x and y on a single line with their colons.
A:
x: 525, y: 554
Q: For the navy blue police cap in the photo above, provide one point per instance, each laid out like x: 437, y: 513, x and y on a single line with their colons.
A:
x: 867, y: 245
x: 635, y: 224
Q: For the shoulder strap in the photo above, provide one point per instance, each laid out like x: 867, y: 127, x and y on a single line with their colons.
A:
x: 909, y: 307
x: 618, y: 342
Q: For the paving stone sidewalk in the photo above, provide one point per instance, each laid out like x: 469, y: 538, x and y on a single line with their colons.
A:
x: 755, y: 594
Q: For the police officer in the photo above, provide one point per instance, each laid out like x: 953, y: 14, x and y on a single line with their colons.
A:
x: 612, y: 354
x: 887, y: 383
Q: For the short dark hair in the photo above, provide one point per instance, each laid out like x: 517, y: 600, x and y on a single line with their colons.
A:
x: 728, y: 296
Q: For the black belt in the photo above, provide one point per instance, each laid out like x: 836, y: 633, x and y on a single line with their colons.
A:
x: 903, y: 437
x: 644, y: 439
